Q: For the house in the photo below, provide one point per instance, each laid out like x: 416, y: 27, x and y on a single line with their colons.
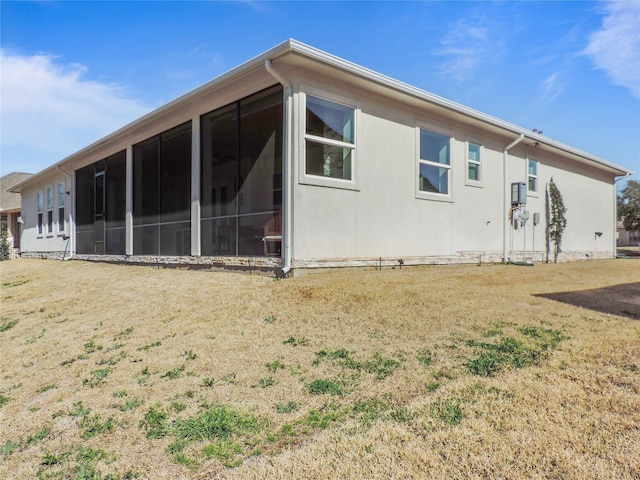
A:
x: 627, y: 238
x: 298, y: 159
x: 10, y: 210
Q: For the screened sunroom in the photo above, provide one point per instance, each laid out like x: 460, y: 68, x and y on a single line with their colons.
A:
x: 239, y: 199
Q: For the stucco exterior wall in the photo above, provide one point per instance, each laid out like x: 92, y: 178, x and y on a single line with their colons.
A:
x: 383, y: 216
x: 54, y: 241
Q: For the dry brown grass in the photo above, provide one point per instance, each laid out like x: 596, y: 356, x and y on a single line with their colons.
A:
x: 573, y: 414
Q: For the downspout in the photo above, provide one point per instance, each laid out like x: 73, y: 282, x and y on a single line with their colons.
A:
x: 505, y: 195
x: 72, y: 236
x: 287, y: 167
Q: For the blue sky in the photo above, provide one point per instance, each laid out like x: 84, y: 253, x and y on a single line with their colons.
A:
x: 72, y: 72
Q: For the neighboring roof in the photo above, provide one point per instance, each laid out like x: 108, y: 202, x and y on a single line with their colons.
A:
x: 389, y: 86
x: 8, y: 200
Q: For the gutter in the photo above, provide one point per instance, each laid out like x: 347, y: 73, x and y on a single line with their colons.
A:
x: 505, y: 189
x: 287, y: 167
x: 71, y: 205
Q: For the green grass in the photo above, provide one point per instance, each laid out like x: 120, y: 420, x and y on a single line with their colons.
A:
x: 93, y: 425
x: 425, y: 357
x: 492, y: 358
x: 448, y: 411
x: 149, y: 346
x: 129, y: 405
x: 4, y: 326
x: 378, y: 365
x: 9, y: 447
x: 219, y: 421
x: 46, y: 388
x: 155, y: 422
x: 39, y: 435
x: 295, y: 342
x: 79, y: 410
x: 4, y: 400
x: 175, y: 373
x: 275, y: 366
x: 288, y: 407
x: 323, y: 386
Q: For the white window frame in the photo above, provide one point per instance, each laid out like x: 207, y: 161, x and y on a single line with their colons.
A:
x: 536, y: 177
x: 468, y: 181
x: 440, y: 197
x: 309, y: 179
x: 61, y: 195
x: 40, y: 214
x: 50, y: 208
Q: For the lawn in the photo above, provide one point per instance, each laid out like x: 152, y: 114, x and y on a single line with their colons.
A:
x: 122, y: 372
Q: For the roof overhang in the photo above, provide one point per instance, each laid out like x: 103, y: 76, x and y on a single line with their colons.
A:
x: 295, y: 53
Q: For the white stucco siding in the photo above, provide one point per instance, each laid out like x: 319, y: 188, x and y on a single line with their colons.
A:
x: 383, y: 216
x: 589, y: 198
x: 52, y: 241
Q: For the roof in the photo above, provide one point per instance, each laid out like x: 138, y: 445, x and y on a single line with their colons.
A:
x: 8, y: 200
x: 294, y: 51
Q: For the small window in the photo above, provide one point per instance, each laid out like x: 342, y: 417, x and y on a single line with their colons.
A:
x: 434, y: 175
x: 40, y: 211
x: 329, y: 135
x: 474, y: 162
x: 49, y: 210
x: 61, y: 198
x: 532, y: 177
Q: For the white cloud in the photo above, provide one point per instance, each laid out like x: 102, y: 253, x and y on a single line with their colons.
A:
x: 552, y: 87
x: 468, y: 45
x: 50, y: 110
x: 615, y: 48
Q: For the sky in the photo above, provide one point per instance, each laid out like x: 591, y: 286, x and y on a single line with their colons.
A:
x: 71, y: 72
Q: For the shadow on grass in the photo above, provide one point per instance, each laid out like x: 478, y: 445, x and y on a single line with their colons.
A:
x: 623, y: 300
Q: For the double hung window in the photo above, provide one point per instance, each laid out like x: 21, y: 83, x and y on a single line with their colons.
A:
x: 40, y: 212
x: 474, y: 163
x: 50, y: 210
x: 61, y: 195
x: 329, y: 139
x: 532, y: 177
x: 434, y: 164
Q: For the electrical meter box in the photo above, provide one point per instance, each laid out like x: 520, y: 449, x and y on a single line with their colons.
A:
x: 518, y: 193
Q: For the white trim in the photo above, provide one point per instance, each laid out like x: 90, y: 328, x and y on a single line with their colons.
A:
x: 536, y: 192
x: 61, y: 231
x: 420, y: 194
x: 40, y: 213
x: 49, y: 224
x: 308, y: 179
x: 480, y: 162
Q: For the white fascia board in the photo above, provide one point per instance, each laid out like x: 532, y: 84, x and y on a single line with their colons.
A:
x: 420, y: 94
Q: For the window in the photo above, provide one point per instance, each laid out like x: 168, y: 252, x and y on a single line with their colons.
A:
x: 40, y: 210
x: 434, y: 164
x: 61, y: 195
x: 329, y: 139
x: 49, y: 210
x: 532, y: 177
x: 474, y: 162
